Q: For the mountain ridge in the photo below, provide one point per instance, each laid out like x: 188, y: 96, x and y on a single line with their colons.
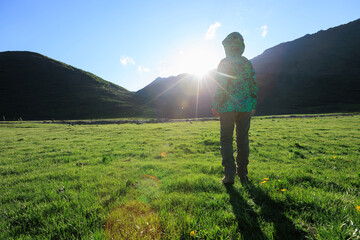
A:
x: 306, y: 75
x: 34, y: 87
x: 323, y: 65
x: 316, y: 73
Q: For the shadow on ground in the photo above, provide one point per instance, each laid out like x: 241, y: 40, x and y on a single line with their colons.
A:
x: 271, y: 212
x: 246, y: 217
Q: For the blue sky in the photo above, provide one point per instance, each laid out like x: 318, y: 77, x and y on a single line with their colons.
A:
x: 130, y: 43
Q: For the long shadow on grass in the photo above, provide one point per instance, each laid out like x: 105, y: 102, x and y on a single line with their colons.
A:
x: 245, y: 216
x: 272, y: 212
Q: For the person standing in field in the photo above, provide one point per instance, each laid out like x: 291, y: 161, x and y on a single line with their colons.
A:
x: 235, y: 101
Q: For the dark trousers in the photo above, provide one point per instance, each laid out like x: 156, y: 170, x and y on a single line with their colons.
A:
x: 242, y: 122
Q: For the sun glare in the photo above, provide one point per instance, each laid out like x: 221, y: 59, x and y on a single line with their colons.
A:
x: 198, y: 61
x: 201, y: 73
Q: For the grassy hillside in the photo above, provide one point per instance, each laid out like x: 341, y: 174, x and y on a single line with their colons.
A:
x: 33, y: 86
x: 163, y: 181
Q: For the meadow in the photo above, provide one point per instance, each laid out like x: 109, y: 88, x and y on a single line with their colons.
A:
x: 162, y: 181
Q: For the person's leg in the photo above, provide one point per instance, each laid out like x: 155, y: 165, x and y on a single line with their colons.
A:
x: 242, y: 121
x: 226, y: 143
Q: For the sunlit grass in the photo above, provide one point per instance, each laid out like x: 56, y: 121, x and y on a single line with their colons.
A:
x: 133, y: 220
x: 70, y: 181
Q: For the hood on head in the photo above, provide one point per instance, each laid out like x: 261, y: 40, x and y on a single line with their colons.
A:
x: 234, y: 44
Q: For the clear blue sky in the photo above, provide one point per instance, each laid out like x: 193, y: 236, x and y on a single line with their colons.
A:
x: 130, y: 43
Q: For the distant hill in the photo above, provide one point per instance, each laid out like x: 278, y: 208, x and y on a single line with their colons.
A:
x: 317, y: 73
x: 180, y: 96
x: 33, y: 86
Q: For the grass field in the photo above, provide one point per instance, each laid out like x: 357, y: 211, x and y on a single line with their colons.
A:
x: 162, y: 180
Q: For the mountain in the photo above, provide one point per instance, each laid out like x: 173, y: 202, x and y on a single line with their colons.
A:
x: 35, y: 87
x: 317, y: 73
x: 180, y: 96
x: 313, y: 74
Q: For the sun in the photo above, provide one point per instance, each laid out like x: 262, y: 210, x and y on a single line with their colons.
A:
x: 198, y: 61
x: 201, y: 73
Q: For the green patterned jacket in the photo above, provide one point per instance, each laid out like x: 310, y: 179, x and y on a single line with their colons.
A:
x: 236, y: 81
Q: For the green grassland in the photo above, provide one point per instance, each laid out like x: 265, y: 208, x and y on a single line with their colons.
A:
x: 162, y: 180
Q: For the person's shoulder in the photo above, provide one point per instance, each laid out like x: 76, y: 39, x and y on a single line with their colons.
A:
x: 244, y: 58
x: 223, y: 62
x: 246, y: 62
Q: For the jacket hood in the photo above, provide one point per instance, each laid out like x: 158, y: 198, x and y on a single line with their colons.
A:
x: 234, y: 45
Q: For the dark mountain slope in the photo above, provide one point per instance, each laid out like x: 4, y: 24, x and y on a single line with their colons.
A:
x: 33, y: 86
x: 317, y: 73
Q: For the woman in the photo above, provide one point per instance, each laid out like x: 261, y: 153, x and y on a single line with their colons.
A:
x: 235, y: 101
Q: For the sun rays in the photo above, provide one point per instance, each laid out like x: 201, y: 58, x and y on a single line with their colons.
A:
x: 185, y: 95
